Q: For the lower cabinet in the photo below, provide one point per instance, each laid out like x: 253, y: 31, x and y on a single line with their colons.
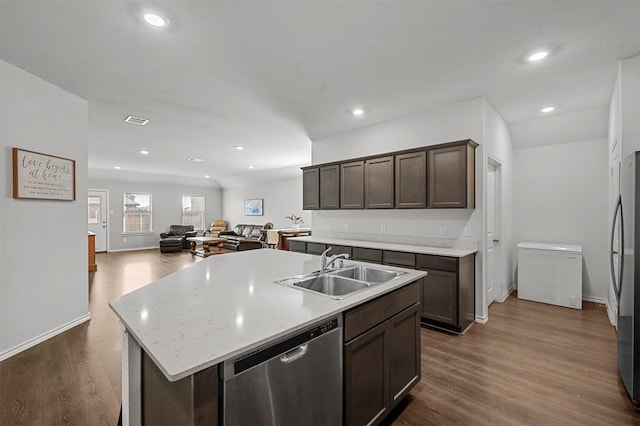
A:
x: 382, y: 354
x: 448, y: 291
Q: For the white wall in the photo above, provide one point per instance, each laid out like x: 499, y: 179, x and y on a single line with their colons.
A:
x: 166, y: 208
x: 281, y: 198
x: 560, y: 193
x: 473, y: 119
x: 454, y: 122
x: 44, y: 270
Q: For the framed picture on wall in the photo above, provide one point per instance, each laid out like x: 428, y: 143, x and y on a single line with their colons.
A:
x: 43, y: 176
x: 253, y: 207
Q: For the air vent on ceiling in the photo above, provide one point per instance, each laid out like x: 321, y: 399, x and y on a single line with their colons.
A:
x: 136, y: 120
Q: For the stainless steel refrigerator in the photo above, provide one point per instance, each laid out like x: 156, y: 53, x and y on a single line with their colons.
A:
x: 625, y: 272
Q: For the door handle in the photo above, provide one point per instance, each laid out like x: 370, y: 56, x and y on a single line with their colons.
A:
x: 294, y: 354
x: 496, y: 241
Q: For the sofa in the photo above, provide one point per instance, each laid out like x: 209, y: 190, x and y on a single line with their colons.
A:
x: 176, y: 238
x: 245, y: 237
x: 215, y: 228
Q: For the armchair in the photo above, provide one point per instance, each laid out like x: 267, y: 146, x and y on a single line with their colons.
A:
x: 215, y: 228
x: 176, y: 238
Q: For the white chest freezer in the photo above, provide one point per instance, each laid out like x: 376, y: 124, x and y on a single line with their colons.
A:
x: 550, y: 273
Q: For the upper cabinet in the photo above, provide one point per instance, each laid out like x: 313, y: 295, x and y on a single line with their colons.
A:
x: 352, y: 185
x: 411, y: 180
x: 311, y: 188
x: 436, y: 176
x: 452, y: 173
x: 330, y: 187
x: 378, y: 183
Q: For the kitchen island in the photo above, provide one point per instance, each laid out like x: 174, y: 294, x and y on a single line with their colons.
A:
x: 188, y: 323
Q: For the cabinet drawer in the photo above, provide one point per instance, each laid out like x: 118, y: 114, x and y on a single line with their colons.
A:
x: 298, y: 246
x: 316, y: 248
x: 441, y: 263
x: 367, y: 255
x: 364, y: 317
x: 340, y: 250
x: 399, y: 258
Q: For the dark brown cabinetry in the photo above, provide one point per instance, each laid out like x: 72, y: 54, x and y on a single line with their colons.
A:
x: 411, y: 180
x: 352, y: 185
x: 452, y: 176
x: 311, y: 189
x: 379, y: 183
x: 190, y: 401
x: 298, y: 246
x: 448, y: 292
x: 436, y: 176
x: 330, y: 187
x: 367, y: 255
x: 382, y: 354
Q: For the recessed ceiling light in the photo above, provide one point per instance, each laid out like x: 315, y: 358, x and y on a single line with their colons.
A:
x: 239, y: 148
x: 116, y: 167
x: 538, y: 55
x: 136, y: 120
x: 207, y: 176
x: 358, y: 112
x: 195, y: 159
x: 547, y: 109
x: 251, y: 167
x: 144, y: 152
x: 154, y: 19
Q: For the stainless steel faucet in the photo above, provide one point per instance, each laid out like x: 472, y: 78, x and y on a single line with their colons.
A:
x: 324, y: 263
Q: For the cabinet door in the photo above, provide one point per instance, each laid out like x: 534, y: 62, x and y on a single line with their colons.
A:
x: 379, y: 183
x: 367, y: 377
x: 404, y: 353
x: 311, y: 189
x: 440, y: 297
x: 411, y: 180
x: 329, y: 187
x: 451, y: 177
x: 352, y: 185
x: 298, y: 246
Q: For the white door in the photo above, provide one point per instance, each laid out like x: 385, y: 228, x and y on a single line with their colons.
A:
x: 97, y: 217
x: 494, y: 248
x: 615, y: 243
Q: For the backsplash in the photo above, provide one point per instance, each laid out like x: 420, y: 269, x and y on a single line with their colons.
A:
x: 401, y: 239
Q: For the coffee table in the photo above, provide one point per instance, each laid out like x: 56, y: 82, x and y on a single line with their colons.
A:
x: 206, y: 242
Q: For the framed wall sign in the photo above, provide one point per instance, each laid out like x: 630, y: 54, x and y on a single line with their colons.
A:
x: 42, y: 176
x: 253, y: 207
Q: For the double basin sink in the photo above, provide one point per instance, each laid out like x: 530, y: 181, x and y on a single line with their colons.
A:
x: 343, y: 282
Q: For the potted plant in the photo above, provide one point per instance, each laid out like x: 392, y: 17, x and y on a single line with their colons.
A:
x: 295, y: 221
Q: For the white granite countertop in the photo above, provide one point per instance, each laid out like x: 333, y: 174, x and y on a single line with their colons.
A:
x: 438, y: 251
x: 228, y: 304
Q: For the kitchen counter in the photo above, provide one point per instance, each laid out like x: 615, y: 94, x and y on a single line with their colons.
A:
x: 226, y: 305
x: 437, y: 251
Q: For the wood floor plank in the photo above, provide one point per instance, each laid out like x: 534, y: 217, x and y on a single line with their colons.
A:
x: 530, y: 364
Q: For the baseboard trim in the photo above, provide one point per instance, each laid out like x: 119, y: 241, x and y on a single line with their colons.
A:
x: 504, y: 297
x: 482, y: 319
x: 41, y: 338
x: 601, y: 300
x: 134, y: 249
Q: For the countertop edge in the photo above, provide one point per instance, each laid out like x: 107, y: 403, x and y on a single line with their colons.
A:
x: 407, y: 248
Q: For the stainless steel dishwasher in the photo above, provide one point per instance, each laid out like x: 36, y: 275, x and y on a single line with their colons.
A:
x: 296, y: 380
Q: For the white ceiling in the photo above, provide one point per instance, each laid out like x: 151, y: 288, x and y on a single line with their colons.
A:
x: 274, y: 75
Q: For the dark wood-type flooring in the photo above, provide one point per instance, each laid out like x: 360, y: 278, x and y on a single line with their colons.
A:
x: 531, y: 364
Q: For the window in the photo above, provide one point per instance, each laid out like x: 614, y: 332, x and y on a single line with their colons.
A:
x: 94, y: 204
x: 136, y: 216
x: 193, y: 211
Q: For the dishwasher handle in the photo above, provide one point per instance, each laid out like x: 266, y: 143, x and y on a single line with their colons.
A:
x: 294, y: 354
